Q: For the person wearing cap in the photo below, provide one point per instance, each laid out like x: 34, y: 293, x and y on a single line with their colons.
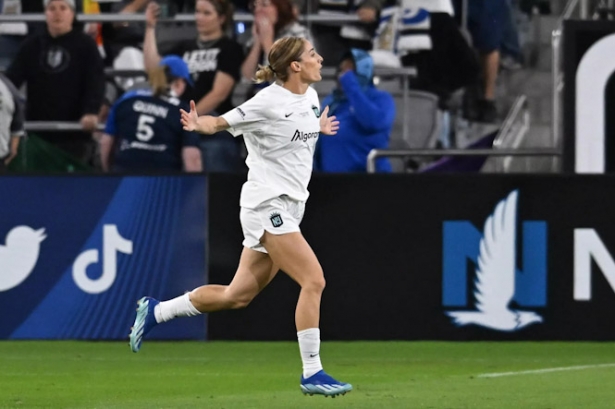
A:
x: 64, y: 74
x: 366, y: 112
x: 143, y: 130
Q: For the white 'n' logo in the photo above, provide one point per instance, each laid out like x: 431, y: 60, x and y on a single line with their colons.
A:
x: 495, y: 276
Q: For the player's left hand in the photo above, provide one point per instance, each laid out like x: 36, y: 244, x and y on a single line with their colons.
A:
x: 328, y: 125
x: 190, y: 120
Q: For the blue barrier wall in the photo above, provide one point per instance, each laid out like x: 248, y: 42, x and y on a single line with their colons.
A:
x: 77, y: 252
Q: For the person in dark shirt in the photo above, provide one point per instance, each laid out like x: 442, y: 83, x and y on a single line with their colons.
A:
x: 214, y: 61
x: 143, y: 131
x: 64, y: 73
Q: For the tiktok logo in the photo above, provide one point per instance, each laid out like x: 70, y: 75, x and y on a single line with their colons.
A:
x: 113, y: 242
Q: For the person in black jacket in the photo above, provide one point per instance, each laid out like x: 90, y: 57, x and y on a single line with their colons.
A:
x: 64, y: 73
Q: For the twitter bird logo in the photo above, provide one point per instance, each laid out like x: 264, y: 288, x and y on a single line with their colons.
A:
x: 19, y: 255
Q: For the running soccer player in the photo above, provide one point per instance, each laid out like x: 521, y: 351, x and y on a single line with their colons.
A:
x: 280, y: 125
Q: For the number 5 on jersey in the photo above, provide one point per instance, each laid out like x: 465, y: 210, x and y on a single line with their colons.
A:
x: 144, y: 127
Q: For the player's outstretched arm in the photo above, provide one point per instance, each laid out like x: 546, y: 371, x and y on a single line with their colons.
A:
x: 206, y: 124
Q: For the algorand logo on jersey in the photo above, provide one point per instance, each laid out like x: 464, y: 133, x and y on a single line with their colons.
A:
x: 304, y: 136
x: 18, y: 255
x: 501, y: 295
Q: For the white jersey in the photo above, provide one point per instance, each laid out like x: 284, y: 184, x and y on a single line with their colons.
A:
x: 280, y: 130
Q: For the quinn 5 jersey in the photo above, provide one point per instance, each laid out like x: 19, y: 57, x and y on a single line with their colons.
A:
x: 280, y: 130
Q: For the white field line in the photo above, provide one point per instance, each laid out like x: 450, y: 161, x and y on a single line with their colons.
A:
x: 545, y: 370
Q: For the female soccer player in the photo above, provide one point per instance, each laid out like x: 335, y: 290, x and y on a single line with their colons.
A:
x: 280, y: 125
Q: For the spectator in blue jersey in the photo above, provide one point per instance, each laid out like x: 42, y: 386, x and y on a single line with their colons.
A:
x: 366, y: 114
x: 144, y: 132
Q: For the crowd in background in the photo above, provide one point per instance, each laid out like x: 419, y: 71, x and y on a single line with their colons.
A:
x: 59, y: 65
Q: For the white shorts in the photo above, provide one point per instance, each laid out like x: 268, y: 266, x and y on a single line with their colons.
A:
x: 280, y: 215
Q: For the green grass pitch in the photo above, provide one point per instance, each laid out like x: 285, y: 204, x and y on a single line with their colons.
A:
x: 231, y: 375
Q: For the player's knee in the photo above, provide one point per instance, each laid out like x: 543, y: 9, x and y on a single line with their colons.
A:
x: 315, y: 284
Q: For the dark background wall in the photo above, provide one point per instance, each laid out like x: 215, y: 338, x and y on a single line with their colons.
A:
x: 379, y: 239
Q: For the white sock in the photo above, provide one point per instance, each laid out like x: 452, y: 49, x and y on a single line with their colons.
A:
x: 309, y: 347
x: 177, y: 307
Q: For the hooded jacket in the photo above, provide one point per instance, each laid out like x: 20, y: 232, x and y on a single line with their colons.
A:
x: 64, y: 76
x: 366, y: 116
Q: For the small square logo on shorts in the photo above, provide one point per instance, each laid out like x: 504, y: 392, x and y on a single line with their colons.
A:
x: 276, y: 219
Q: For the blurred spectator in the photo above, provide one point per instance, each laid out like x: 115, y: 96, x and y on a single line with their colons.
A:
x: 330, y: 39
x: 144, y: 131
x: 423, y: 34
x: 367, y: 115
x: 63, y: 71
x: 34, y: 6
x: 11, y: 34
x: 273, y: 19
x: 512, y: 56
x: 117, y: 36
x: 487, y: 21
x: 542, y: 6
x: 444, y: 60
x: 11, y: 121
x: 214, y: 61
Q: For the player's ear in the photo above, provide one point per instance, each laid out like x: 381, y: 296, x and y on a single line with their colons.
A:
x: 295, y: 66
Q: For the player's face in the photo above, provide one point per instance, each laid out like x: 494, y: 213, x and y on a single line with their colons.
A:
x: 208, y: 21
x: 59, y: 17
x: 311, y: 63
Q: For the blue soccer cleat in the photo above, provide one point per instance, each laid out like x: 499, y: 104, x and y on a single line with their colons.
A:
x: 144, y: 321
x: 322, y: 384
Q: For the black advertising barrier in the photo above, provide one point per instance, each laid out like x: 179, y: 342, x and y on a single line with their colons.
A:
x: 440, y: 257
x: 589, y: 96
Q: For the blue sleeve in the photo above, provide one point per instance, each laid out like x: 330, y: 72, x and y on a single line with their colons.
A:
x: 375, y: 112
